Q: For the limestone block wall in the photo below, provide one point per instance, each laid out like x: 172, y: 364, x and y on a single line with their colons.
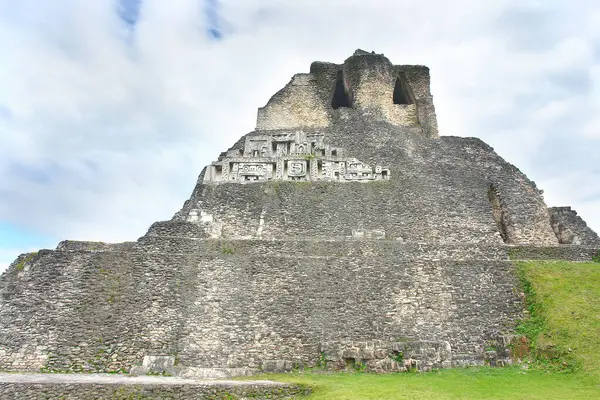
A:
x: 252, y: 303
x: 283, y: 308
x: 180, y: 229
x: 570, y: 228
x: 407, y: 210
x: 88, y: 310
x: 364, y: 248
x: 212, y: 304
x: 325, y: 248
x: 387, y: 356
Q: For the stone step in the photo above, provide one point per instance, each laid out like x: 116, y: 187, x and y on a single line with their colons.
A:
x: 337, y: 248
x: 113, y: 386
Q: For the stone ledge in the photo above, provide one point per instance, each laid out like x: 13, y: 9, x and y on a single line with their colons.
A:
x: 315, y: 248
x: 321, y: 248
x: 106, y: 386
x: 369, y: 247
x: 561, y: 252
x: 336, y: 248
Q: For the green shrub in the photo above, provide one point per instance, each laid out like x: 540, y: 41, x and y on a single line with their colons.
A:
x: 398, y: 356
x: 322, y: 362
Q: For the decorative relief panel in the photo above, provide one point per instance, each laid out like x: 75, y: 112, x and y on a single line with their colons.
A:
x: 296, y: 169
x: 292, y: 156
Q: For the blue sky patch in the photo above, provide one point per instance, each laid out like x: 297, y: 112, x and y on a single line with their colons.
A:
x: 13, y: 237
x: 129, y: 11
x: 211, y: 10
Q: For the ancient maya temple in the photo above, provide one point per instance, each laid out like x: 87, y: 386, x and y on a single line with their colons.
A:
x: 342, y: 230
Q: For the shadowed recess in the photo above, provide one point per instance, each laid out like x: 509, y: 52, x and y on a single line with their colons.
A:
x: 498, y: 212
x: 402, y: 94
x: 342, y: 96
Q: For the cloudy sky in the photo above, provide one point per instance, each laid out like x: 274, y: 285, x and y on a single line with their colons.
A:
x: 109, y: 109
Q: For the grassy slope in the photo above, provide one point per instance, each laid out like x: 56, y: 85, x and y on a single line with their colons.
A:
x: 566, y: 315
x: 567, y: 297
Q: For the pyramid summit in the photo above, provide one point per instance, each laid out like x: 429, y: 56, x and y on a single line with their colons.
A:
x: 368, y: 121
x: 342, y: 230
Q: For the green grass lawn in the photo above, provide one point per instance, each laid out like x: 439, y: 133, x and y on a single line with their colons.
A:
x: 564, y: 332
x: 469, y: 383
x: 565, y: 304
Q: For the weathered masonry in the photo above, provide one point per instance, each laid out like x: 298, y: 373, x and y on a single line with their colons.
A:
x: 343, y: 231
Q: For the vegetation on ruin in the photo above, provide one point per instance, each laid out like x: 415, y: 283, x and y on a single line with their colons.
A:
x: 560, y: 346
x: 227, y: 250
x: 21, y: 264
x: 398, y: 356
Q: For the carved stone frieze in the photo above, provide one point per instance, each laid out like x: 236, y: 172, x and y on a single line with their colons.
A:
x: 290, y: 156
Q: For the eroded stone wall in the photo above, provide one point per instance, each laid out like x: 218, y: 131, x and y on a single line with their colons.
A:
x: 399, y: 211
x: 246, y: 305
x: 294, y: 106
x: 419, y: 80
x: 306, y: 101
x: 83, y: 311
x: 213, y: 304
x: 438, y: 191
x: 570, y: 228
x: 372, y: 78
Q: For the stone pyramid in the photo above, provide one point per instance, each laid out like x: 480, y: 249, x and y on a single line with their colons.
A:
x: 342, y: 233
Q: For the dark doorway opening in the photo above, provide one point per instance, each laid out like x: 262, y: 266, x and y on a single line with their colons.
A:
x: 402, y: 94
x: 342, y: 96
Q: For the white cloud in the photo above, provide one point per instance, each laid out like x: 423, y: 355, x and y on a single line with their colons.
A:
x: 105, y: 130
x: 592, y: 125
x: 592, y: 128
x: 555, y: 110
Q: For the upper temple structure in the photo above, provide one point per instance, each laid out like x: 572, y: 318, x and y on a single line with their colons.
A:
x: 342, y: 230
